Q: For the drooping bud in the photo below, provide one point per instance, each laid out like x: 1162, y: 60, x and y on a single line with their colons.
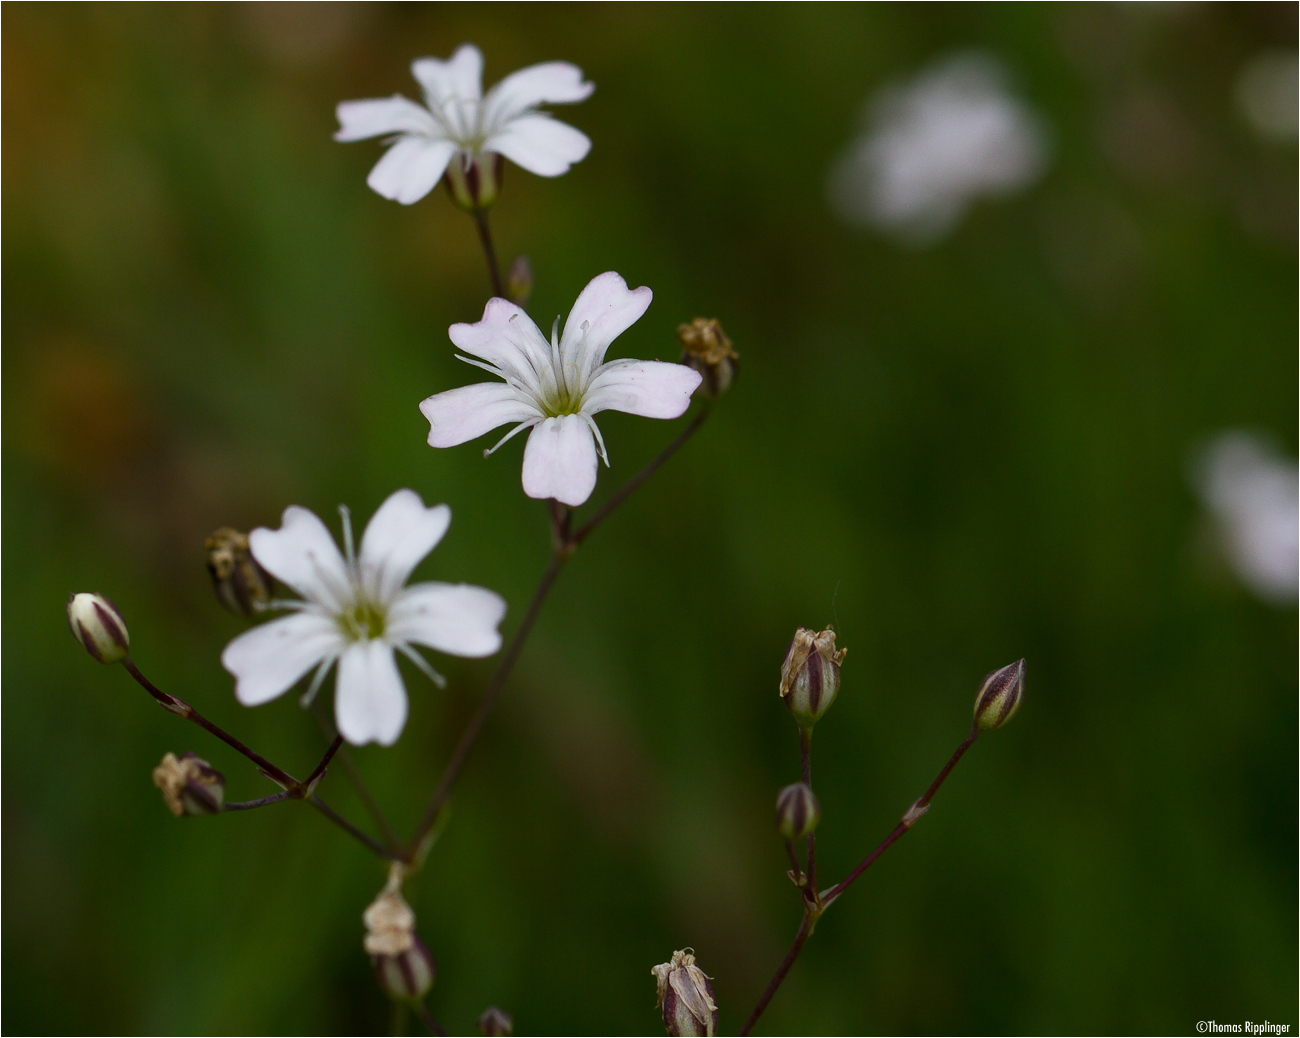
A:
x: 496, y: 1022
x: 473, y: 181
x: 519, y: 282
x: 190, y: 785
x: 797, y: 811
x: 685, y: 996
x: 403, y: 966
x: 999, y: 696
x: 239, y: 580
x: 810, y: 674
x: 98, y: 625
x: 706, y: 348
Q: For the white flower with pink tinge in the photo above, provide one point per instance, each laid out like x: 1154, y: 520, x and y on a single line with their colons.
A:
x: 554, y: 388
x: 457, y: 118
x: 357, y: 611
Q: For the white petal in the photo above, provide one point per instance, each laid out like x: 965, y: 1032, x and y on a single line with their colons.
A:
x: 461, y: 75
x: 608, y: 308
x: 464, y: 414
x: 361, y: 119
x: 556, y: 82
x: 369, y: 697
x: 270, y: 658
x: 458, y: 619
x: 398, y: 536
x: 506, y: 337
x: 303, y: 555
x: 540, y: 144
x: 411, y: 168
x: 649, y: 388
x: 560, y: 460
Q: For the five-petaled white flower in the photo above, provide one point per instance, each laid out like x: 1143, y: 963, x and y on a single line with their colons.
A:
x: 356, y: 611
x: 457, y: 118
x: 555, y: 388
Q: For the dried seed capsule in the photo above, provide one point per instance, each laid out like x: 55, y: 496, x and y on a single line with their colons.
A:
x: 190, y: 785
x: 97, y: 624
x: 999, y: 696
x: 240, y: 582
x: 496, y: 1022
x: 810, y: 674
x: 403, y: 966
x: 797, y: 811
x: 473, y: 181
x: 685, y: 996
x: 706, y: 348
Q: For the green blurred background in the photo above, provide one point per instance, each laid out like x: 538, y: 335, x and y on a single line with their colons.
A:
x: 959, y: 455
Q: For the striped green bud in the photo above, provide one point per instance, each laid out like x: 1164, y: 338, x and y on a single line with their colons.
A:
x: 797, y: 811
x: 999, y: 696
x: 98, y: 625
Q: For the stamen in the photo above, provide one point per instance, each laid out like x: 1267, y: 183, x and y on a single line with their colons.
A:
x: 281, y: 603
x: 557, y: 361
x: 346, y: 514
x: 513, y: 432
x: 422, y: 663
x: 308, y: 697
x: 600, y: 440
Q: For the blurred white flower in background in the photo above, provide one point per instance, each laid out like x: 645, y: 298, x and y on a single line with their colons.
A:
x: 1253, y: 494
x: 1267, y: 93
x: 456, y: 119
x: 931, y: 146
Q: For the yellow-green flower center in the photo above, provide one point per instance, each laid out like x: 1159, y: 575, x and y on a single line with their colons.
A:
x: 363, y: 621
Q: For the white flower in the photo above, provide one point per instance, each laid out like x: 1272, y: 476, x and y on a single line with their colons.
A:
x: 356, y: 611
x: 1252, y: 493
x: 929, y: 148
x: 456, y: 117
x: 554, y: 388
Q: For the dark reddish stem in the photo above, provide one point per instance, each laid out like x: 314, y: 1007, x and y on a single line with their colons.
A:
x: 248, y: 805
x: 489, y: 251
x: 805, y: 927
x: 805, y: 767
x: 316, y: 774
x: 422, y: 1011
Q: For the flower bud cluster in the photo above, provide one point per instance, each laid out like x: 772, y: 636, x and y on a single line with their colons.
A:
x: 810, y: 674
x: 797, y: 811
x: 97, y: 624
x: 190, y: 785
x: 706, y: 348
x: 999, y: 696
x: 240, y: 582
x: 685, y: 996
x: 403, y: 965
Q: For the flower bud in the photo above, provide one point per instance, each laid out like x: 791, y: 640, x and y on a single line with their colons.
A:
x: 685, y: 996
x: 473, y: 181
x: 190, y: 785
x: 810, y: 674
x: 98, y: 625
x: 999, y: 696
x: 239, y: 580
x: 519, y: 281
x: 706, y: 348
x: 496, y: 1022
x: 797, y: 811
x: 403, y: 965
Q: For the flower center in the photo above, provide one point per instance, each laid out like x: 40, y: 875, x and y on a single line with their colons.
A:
x: 364, y: 621
x: 561, y: 403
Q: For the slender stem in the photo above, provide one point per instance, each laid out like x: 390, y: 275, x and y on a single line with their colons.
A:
x: 248, y: 805
x: 489, y: 252
x: 319, y: 770
x: 344, y: 824
x: 909, y: 819
x: 423, y: 1012
x: 824, y: 900
x: 485, y: 705
x: 794, y: 860
x: 183, y: 709
x: 358, y: 783
x: 805, y: 766
x: 799, y: 938
x: 602, y: 513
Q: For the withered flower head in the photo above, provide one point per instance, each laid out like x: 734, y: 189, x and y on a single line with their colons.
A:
x: 706, y: 348
x: 810, y: 674
x: 190, y: 785
x: 685, y: 996
x: 240, y: 582
x: 403, y: 966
